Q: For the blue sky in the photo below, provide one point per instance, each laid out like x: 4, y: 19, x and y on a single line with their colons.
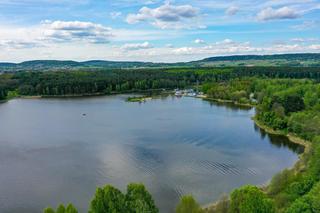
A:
x: 154, y: 30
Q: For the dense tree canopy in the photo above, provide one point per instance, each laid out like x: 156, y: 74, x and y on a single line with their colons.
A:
x: 250, y: 199
x: 108, y: 199
x: 138, y: 199
x: 100, y: 81
x: 111, y: 200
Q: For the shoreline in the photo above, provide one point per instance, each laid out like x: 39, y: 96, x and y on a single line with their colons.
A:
x: 226, y: 101
x: 161, y: 91
x: 300, y: 164
x: 292, y: 138
x: 297, y: 166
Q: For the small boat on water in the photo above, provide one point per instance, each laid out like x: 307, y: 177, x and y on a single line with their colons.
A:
x: 178, y: 93
x: 191, y: 94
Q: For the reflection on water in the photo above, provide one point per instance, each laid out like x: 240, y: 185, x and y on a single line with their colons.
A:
x: 50, y: 153
x: 231, y: 106
x: 280, y: 141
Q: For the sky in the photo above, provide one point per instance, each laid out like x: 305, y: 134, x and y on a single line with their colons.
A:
x: 155, y: 30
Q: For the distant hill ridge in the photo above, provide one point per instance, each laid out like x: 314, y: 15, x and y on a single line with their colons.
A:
x: 294, y: 56
x: 298, y: 59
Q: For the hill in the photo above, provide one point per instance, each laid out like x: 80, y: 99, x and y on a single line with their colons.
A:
x: 291, y: 60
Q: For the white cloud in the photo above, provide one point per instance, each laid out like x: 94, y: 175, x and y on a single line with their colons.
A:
x: 73, y: 51
x: 199, y: 41
x: 137, y: 46
x: 166, y: 16
x: 280, y: 13
x: 315, y: 47
x: 224, y: 47
x: 49, y: 33
x: 40, y: 42
x: 232, y: 10
x: 18, y: 44
x: 229, y: 47
x: 66, y: 31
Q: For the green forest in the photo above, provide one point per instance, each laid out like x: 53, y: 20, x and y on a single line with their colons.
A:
x: 287, y: 101
x: 93, y: 81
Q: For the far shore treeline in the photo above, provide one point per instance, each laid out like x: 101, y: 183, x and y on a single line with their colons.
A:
x: 287, y: 101
x: 90, y: 82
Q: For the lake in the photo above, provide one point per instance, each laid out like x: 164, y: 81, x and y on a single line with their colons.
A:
x: 59, y: 150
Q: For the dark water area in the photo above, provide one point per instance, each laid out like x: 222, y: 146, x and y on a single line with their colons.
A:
x: 59, y: 150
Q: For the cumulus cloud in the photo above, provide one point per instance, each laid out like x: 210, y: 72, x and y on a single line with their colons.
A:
x: 280, y: 13
x: 65, y: 31
x: 165, y: 16
x: 232, y: 10
x: 137, y: 46
x: 48, y: 33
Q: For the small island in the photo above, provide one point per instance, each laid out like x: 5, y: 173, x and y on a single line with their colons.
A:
x: 139, y: 99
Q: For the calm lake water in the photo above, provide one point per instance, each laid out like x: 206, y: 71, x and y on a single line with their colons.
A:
x: 50, y: 153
